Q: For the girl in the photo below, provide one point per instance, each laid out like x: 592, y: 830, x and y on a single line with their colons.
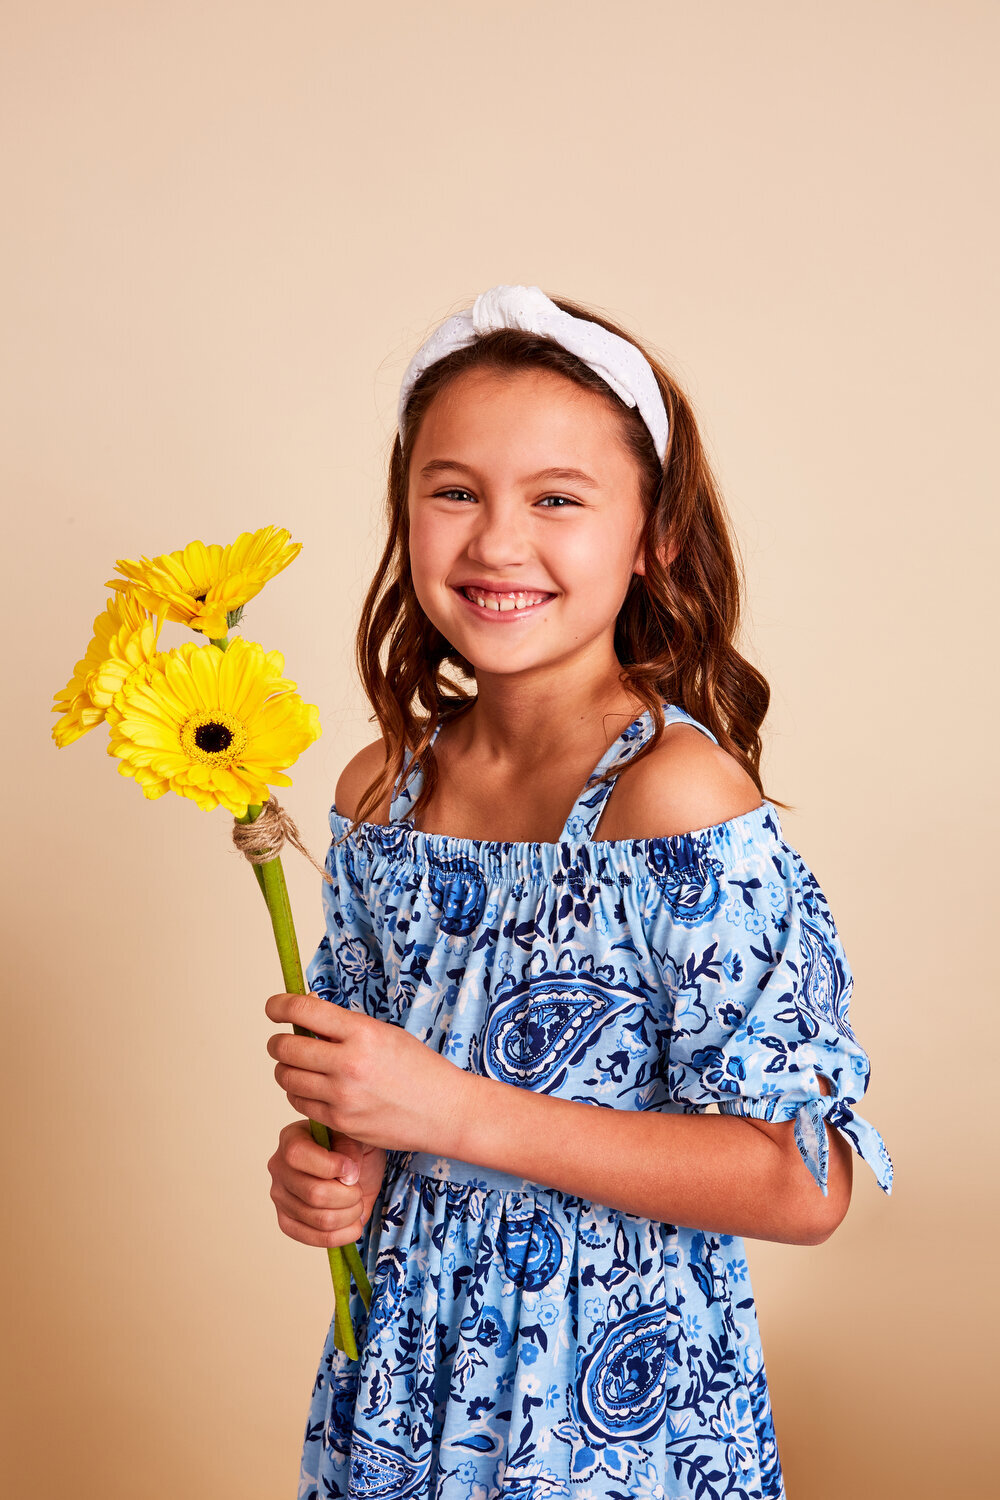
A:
x: 563, y: 922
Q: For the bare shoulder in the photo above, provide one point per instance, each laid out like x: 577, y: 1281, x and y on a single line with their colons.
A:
x: 685, y: 784
x: 355, y: 779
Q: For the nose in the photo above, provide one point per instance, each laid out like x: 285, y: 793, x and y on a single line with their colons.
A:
x: 499, y: 539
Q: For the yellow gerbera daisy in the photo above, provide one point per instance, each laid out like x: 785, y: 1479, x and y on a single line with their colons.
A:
x: 217, y: 726
x: 124, y: 638
x: 206, y: 587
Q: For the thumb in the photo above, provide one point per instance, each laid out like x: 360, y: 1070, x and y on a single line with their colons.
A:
x: 347, y: 1145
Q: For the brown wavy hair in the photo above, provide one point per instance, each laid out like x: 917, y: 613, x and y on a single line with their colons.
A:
x: 674, y: 633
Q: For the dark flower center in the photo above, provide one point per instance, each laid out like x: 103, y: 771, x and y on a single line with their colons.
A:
x: 213, y: 737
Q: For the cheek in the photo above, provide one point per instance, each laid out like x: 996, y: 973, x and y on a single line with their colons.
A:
x: 601, y: 558
x: 431, y: 560
x: 421, y: 555
x: 431, y: 544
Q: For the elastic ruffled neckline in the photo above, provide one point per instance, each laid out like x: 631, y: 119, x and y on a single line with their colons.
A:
x: 613, y: 861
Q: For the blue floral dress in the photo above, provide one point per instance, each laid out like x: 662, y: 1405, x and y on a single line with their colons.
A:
x: 523, y: 1342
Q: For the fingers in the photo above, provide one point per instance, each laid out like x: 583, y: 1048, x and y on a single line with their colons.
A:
x: 315, y: 1070
x: 310, y: 1071
x: 315, y: 1195
x: 324, y: 1239
x: 303, y: 1072
x: 319, y: 1208
x: 326, y: 1020
x: 297, y: 1082
x: 311, y: 1109
x: 300, y: 1051
x: 313, y: 1203
x: 297, y: 1148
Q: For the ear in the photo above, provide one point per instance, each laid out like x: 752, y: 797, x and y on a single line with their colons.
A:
x: 671, y: 553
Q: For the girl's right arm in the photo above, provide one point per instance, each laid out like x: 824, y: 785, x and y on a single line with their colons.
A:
x: 322, y: 1197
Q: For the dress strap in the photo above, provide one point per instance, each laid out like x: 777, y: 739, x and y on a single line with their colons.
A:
x: 585, y: 814
x: 581, y: 825
x: 403, y: 798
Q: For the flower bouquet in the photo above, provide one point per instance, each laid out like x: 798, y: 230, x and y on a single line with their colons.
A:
x: 217, y: 722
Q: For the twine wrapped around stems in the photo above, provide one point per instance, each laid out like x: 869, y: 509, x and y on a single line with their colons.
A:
x: 264, y: 838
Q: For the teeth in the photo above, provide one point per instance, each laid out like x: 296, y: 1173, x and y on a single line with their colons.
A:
x: 519, y: 599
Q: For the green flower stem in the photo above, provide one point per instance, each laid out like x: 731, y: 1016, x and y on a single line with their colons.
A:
x: 343, y: 1260
x: 276, y: 896
x: 356, y: 1266
x: 344, y: 1337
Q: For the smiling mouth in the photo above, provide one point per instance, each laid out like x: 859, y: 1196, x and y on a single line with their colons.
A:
x: 504, y: 603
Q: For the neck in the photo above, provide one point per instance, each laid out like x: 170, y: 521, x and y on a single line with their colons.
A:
x: 520, y: 723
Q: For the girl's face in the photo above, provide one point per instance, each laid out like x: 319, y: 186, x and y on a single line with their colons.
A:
x: 522, y: 485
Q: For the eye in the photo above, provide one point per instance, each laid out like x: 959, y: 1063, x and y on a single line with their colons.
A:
x: 561, y: 501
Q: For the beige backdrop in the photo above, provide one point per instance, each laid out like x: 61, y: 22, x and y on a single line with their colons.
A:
x: 227, y: 224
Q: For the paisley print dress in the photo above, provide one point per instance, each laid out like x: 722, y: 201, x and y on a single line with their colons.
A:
x: 523, y: 1342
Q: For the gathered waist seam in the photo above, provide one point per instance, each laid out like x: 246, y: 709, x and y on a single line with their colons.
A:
x: 461, y: 1174
x: 465, y: 1174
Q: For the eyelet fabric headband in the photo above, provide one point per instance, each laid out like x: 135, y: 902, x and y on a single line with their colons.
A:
x: 619, y: 364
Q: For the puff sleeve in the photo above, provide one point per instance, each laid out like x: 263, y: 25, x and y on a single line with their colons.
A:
x: 347, y: 967
x: 760, y: 988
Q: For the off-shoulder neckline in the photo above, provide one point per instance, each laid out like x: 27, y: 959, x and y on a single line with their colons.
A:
x: 449, y: 843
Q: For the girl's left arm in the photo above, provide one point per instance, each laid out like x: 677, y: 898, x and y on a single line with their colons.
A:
x: 720, y: 1173
x: 725, y: 1174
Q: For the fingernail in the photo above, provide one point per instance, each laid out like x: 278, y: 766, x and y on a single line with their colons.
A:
x: 350, y: 1173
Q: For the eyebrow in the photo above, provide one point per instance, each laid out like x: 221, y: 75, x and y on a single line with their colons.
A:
x: 440, y: 465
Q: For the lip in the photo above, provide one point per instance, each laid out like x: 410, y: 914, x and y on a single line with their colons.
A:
x: 501, y: 586
x: 501, y: 616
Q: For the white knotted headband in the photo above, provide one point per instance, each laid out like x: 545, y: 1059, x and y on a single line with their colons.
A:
x: 619, y: 364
